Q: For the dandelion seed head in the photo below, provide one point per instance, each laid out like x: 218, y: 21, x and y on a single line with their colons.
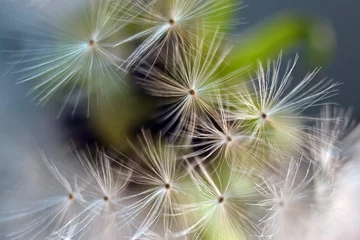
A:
x: 160, y: 176
x: 229, y: 139
x: 192, y: 92
x: 71, y: 196
x: 172, y: 22
x: 167, y: 186
x: 264, y: 116
x: 218, y: 138
x: 175, y: 21
x: 221, y: 209
x: 281, y: 203
x: 159, y: 193
x: 288, y: 199
x: 190, y: 84
x: 74, y: 59
x: 92, y: 43
x: 51, y: 199
x: 325, y: 138
x: 273, y: 108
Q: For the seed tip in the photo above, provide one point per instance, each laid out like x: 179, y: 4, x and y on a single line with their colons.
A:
x: 91, y: 42
x: 172, y: 22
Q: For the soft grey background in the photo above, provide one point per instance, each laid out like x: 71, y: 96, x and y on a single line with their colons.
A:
x: 344, y: 15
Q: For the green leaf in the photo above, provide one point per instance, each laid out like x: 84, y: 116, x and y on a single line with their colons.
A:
x: 284, y: 32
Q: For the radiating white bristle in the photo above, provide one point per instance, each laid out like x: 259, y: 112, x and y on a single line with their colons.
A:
x: 273, y: 109
x: 69, y: 52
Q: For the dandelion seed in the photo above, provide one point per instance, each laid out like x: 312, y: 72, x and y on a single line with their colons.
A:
x: 163, y: 178
x: 172, y: 21
x: 326, y: 136
x: 167, y: 186
x: 74, y: 53
x: 102, y: 198
x: 329, y: 157
x: 288, y: 201
x: 219, y: 138
x: 50, y: 200
x: 188, y: 84
x: 168, y: 22
x: 274, y: 111
x: 263, y: 116
x: 221, y: 211
x: 340, y: 220
x: 71, y: 196
x: 91, y: 43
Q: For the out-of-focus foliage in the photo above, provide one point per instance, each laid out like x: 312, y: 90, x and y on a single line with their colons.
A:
x: 285, y: 32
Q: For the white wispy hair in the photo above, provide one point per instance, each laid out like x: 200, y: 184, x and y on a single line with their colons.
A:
x: 220, y: 209
x: 46, y: 201
x: 290, y: 201
x: 221, y: 139
x: 70, y: 49
x: 326, y: 152
x: 174, y: 22
x: 189, y: 83
x: 69, y: 200
x: 161, y: 179
x: 102, y: 194
x: 274, y: 111
x: 326, y: 137
x: 340, y: 218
